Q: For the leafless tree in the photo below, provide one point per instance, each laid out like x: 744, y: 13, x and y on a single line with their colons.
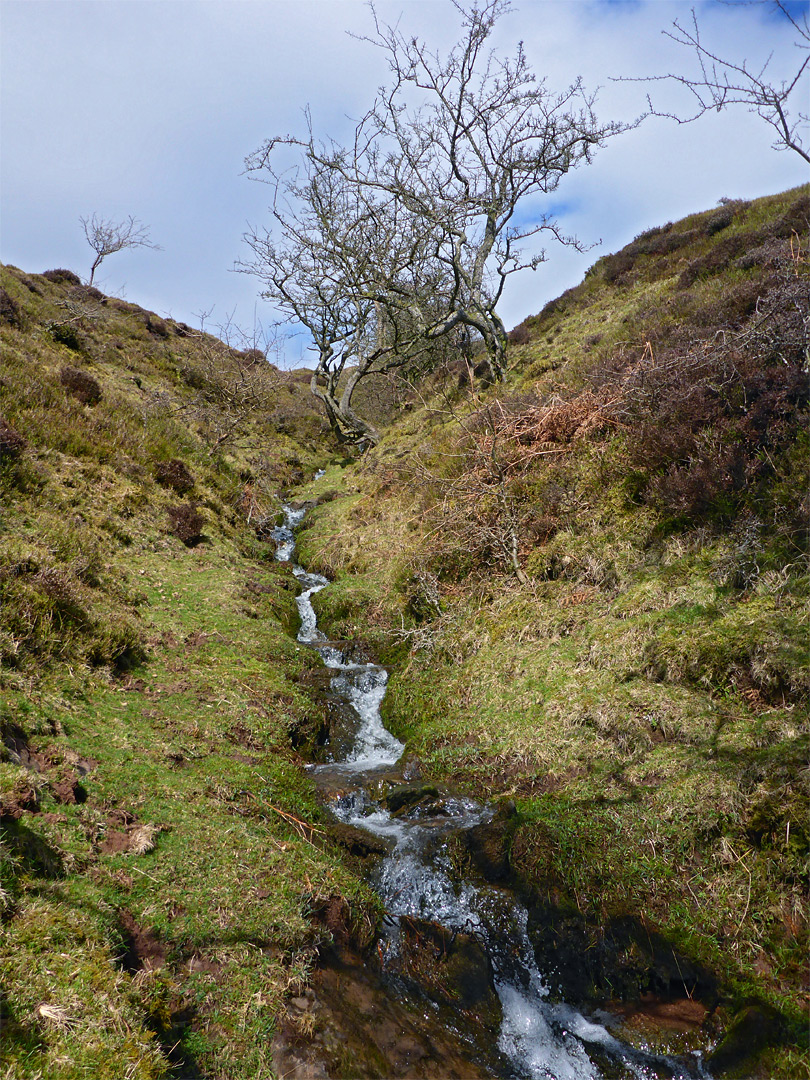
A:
x: 331, y: 265
x: 106, y: 236
x: 723, y: 82
x: 486, y: 137
x: 410, y: 232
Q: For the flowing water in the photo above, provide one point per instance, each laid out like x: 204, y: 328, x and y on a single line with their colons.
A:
x: 538, y: 1038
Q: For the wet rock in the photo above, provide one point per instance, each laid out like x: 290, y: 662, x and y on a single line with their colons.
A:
x: 359, y: 842
x: 404, y: 796
x: 449, y: 967
x: 362, y: 1029
x: 753, y: 1029
x: 488, y: 843
x: 412, y: 770
x: 624, y: 958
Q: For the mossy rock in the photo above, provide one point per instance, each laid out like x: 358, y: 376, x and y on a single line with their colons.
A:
x: 405, y: 796
x: 754, y: 1029
x: 450, y: 968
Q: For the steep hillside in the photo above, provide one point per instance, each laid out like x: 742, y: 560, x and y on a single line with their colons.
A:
x: 157, y: 875
x: 591, y: 583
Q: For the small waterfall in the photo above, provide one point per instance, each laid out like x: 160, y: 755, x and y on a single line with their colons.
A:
x: 539, y: 1039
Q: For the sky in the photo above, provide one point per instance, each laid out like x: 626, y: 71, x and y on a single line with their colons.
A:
x: 150, y: 107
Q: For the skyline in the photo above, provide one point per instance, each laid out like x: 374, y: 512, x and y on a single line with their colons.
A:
x: 149, y: 108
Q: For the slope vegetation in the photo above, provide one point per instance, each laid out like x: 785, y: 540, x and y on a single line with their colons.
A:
x: 591, y: 583
x: 158, y: 875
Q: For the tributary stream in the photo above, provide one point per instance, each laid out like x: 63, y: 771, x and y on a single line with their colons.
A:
x: 538, y: 1038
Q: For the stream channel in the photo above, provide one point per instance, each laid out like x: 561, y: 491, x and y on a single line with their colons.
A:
x: 537, y: 1037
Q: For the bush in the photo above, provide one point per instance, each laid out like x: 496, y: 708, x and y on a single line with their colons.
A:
x: 81, y: 384
x: 156, y: 327
x: 9, y: 309
x: 175, y: 474
x: 12, y: 443
x: 254, y: 356
x: 88, y: 292
x: 795, y: 219
x: 186, y: 523
x: 616, y: 267
x: 62, y: 277
x: 717, y: 259
x: 67, y: 335
x: 719, y: 220
x: 520, y: 335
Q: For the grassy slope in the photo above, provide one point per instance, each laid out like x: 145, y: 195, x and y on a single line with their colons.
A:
x: 642, y: 689
x: 157, y: 885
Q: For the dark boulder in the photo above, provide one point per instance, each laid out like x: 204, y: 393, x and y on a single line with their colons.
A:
x: 488, y: 844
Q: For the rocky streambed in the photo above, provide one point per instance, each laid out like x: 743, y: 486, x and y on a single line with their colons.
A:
x: 452, y: 987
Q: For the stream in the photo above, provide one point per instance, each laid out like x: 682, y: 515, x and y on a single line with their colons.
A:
x: 538, y: 1039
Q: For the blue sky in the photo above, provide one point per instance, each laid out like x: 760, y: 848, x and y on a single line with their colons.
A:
x: 149, y: 107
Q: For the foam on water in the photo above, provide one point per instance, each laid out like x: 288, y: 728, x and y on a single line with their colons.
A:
x: 362, y: 685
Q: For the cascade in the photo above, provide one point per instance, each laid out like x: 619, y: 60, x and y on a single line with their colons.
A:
x: 539, y: 1039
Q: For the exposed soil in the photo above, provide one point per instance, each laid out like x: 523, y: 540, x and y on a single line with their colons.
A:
x: 143, y: 950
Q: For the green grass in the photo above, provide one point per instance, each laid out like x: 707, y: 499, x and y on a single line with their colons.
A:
x: 640, y: 690
x: 643, y: 694
x: 162, y: 853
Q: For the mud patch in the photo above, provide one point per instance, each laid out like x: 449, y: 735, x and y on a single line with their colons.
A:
x: 142, y: 949
x: 23, y: 798
x: 241, y: 735
x: 123, y: 834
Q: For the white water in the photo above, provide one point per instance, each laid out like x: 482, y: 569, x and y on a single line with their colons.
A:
x: 539, y: 1040
x: 362, y: 685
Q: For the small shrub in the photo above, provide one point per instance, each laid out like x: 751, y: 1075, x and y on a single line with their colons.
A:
x: 254, y: 356
x: 9, y: 309
x: 156, y: 327
x: 64, y: 334
x: 617, y: 266
x: 62, y: 277
x: 718, y: 258
x: 193, y: 377
x: 520, y: 335
x: 12, y: 443
x: 795, y: 219
x: 175, y: 474
x: 81, y: 384
x: 88, y: 292
x: 186, y: 523
x: 719, y: 220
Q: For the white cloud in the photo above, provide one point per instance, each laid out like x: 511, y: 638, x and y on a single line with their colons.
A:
x: 149, y: 108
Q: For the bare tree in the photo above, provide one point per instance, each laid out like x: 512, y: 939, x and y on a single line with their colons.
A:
x: 106, y: 236
x: 486, y: 137
x: 410, y: 233
x: 337, y: 254
x: 723, y: 82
